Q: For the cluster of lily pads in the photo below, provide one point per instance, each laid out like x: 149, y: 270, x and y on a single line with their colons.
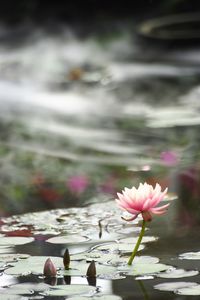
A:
x: 105, y: 258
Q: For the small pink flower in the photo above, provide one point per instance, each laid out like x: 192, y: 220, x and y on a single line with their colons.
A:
x: 169, y: 158
x: 143, y: 200
x: 77, y: 184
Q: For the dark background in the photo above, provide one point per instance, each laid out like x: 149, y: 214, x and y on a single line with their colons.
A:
x: 14, y: 12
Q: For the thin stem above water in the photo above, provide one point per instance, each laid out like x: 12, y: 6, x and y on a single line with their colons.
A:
x: 137, y: 244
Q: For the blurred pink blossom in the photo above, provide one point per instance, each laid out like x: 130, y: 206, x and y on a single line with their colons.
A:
x: 169, y: 158
x: 142, y: 201
x: 77, y: 184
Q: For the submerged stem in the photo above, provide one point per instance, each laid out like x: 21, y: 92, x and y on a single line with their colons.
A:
x: 137, y: 244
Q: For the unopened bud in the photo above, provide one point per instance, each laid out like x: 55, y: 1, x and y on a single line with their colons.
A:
x: 49, y: 268
x: 91, y: 271
x: 66, y: 259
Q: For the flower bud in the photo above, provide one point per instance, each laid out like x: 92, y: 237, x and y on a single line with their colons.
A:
x: 91, y: 271
x: 49, y: 268
x: 66, y: 259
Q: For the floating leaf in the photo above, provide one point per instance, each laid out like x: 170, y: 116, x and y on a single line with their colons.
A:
x: 110, y: 258
x: 33, y: 264
x: 69, y: 290
x: 137, y: 260
x: 189, y: 291
x: 10, y: 297
x: 133, y: 240
x: 23, y: 289
x: 68, y: 239
x: 142, y: 269
x: 5, y: 249
x: 102, y: 297
x: 11, y: 241
x: 118, y: 247
x: 80, y: 269
x: 17, y: 291
x: 36, y: 287
x: 2, y: 266
x: 173, y: 286
x: 178, y: 273
x: 7, y: 258
x: 190, y: 255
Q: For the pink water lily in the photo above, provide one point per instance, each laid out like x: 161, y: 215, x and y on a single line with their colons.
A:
x: 143, y: 200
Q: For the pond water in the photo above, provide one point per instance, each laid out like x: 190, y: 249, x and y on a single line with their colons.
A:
x: 82, y: 116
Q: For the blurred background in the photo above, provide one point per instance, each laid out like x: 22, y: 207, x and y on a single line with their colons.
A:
x: 95, y: 96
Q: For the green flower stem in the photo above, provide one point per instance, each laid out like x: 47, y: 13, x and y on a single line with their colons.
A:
x: 137, y: 244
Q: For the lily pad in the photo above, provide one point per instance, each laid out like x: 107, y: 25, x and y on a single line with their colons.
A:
x: 102, y: 297
x: 189, y: 291
x: 118, y: 247
x: 190, y: 255
x: 33, y: 287
x: 5, y: 249
x: 2, y: 266
x: 32, y: 265
x: 143, y: 269
x: 7, y: 258
x: 11, y: 241
x: 110, y: 258
x: 69, y: 290
x: 80, y: 269
x: 68, y: 239
x: 133, y: 240
x: 10, y: 297
x: 138, y: 260
x: 17, y: 291
x: 173, y: 286
x: 177, y: 273
x: 97, y: 256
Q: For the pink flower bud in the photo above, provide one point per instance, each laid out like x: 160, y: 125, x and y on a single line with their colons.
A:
x: 49, y: 268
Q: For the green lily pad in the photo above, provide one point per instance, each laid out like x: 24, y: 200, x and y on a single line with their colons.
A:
x: 177, y: 273
x: 143, y: 269
x: 7, y: 258
x: 118, y: 247
x: 80, y: 269
x: 102, y: 297
x: 189, y: 291
x: 26, y: 286
x: 5, y: 249
x: 133, y: 240
x: 10, y: 297
x: 69, y: 290
x: 12, y: 241
x: 17, y: 291
x: 174, y: 286
x: 190, y: 255
x: 2, y: 266
x: 137, y: 260
x: 110, y: 259
x: 32, y: 265
x: 97, y: 256
x: 68, y: 239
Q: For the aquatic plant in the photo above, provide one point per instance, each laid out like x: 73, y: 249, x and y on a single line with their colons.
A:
x: 49, y: 268
x: 144, y: 201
